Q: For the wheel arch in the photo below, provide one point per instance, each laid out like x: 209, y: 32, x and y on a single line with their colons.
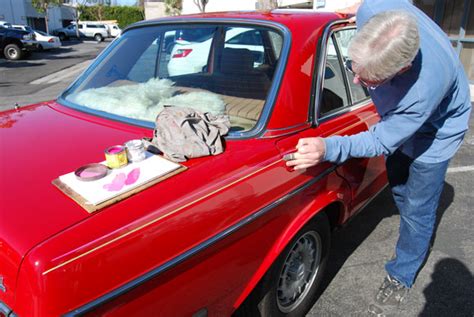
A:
x: 13, y: 41
x: 332, y: 204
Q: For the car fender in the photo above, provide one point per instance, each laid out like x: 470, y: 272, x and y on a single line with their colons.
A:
x: 321, y: 201
x: 13, y: 41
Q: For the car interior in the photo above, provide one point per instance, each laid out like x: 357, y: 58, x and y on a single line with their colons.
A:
x: 234, y: 76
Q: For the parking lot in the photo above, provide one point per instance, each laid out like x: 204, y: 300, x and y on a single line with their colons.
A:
x: 45, y: 74
x: 444, y: 287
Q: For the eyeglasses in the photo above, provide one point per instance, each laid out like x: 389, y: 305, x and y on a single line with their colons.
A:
x: 366, y: 83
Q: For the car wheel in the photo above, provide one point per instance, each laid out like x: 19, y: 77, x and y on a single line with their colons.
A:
x: 12, y: 52
x: 62, y: 37
x: 40, y: 48
x: 290, y: 287
x: 98, y: 38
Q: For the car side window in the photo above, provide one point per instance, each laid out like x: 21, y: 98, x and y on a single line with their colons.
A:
x: 334, y: 94
x: 145, y: 66
x: 343, y: 39
x: 248, y: 40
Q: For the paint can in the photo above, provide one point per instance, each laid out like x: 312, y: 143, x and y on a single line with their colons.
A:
x: 116, y: 156
x: 135, y: 150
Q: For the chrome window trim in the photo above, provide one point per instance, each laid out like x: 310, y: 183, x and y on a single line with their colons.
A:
x: 319, y: 72
x: 195, y: 250
x: 344, y: 71
x: 338, y: 112
x: 262, y: 122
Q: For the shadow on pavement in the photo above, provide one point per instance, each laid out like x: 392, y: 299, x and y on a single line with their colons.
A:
x: 17, y: 64
x: 347, y: 240
x: 54, y: 51
x: 452, y: 283
x: 72, y: 42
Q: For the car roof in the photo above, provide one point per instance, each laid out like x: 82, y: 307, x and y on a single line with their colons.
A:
x: 286, y: 17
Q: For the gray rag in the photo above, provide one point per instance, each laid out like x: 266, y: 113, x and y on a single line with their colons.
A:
x: 182, y: 133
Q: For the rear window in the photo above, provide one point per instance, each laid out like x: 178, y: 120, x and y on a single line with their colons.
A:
x: 221, y: 69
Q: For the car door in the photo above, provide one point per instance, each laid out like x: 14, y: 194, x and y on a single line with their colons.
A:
x: 345, y: 109
x: 2, y: 36
x: 342, y: 108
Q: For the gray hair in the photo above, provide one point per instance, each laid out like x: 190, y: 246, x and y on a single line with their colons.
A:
x: 386, y: 44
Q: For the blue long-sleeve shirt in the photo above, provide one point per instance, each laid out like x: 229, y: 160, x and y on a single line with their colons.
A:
x: 424, y: 111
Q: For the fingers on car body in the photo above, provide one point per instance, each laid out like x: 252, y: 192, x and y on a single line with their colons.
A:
x: 310, y: 152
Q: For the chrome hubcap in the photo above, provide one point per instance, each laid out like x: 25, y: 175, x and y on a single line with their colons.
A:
x: 12, y: 52
x: 299, y: 271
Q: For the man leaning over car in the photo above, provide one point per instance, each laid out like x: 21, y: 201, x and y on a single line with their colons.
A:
x: 421, y: 92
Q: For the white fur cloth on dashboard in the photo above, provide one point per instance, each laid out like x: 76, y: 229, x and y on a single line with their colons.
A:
x: 145, y: 100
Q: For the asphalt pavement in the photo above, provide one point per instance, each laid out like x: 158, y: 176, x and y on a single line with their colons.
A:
x: 44, y: 75
x: 445, y: 285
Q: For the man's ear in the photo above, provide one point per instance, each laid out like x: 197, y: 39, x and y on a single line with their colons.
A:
x: 404, y: 69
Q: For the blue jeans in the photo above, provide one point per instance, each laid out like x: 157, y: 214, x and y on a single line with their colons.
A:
x: 416, y: 188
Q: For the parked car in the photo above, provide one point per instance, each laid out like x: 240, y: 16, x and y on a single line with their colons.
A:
x: 5, y: 24
x: 22, y: 27
x: 44, y: 40
x: 86, y: 29
x: 191, y: 49
x: 113, y: 29
x: 16, y: 44
x: 47, y: 41
x: 234, y: 233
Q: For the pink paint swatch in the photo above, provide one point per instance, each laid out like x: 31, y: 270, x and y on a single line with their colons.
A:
x: 133, y: 176
x: 121, y: 180
x: 117, y: 184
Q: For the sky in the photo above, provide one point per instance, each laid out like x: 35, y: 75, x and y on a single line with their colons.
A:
x: 126, y: 2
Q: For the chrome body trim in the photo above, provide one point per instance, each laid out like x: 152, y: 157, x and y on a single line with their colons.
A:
x: 2, y: 285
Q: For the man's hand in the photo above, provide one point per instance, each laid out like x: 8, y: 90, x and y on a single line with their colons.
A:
x: 352, y: 10
x: 310, y: 152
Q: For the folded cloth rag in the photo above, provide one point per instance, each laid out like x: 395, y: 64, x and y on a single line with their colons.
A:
x: 182, y: 133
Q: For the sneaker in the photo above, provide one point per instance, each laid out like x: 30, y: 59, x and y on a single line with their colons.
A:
x: 389, y: 296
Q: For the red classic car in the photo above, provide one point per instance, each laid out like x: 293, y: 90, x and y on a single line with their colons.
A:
x: 236, y: 233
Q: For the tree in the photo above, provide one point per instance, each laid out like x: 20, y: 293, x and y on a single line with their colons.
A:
x: 141, y: 4
x: 42, y: 7
x: 174, y: 7
x: 201, y: 4
x: 78, y: 8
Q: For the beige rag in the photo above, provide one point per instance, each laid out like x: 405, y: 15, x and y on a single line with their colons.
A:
x: 182, y: 133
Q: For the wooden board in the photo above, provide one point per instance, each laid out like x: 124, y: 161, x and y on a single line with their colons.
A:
x: 90, y: 208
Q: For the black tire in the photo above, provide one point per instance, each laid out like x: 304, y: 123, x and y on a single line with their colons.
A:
x: 40, y: 48
x: 98, y: 38
x: 12, y: 52
x: 273, y: 296
x: 62, y: 37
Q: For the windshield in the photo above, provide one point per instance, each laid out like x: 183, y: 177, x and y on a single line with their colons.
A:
x: 221, y: 69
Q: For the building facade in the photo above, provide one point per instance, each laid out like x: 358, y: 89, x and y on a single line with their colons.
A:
x: 23, y: 12
x: 456, y: 18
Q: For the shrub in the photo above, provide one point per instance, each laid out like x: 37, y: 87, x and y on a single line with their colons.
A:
x: 123, y: 14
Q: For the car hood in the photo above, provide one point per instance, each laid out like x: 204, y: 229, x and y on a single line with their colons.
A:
x: 38, y: 144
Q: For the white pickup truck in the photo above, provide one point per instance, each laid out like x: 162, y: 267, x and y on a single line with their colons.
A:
x: 86, y: 29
